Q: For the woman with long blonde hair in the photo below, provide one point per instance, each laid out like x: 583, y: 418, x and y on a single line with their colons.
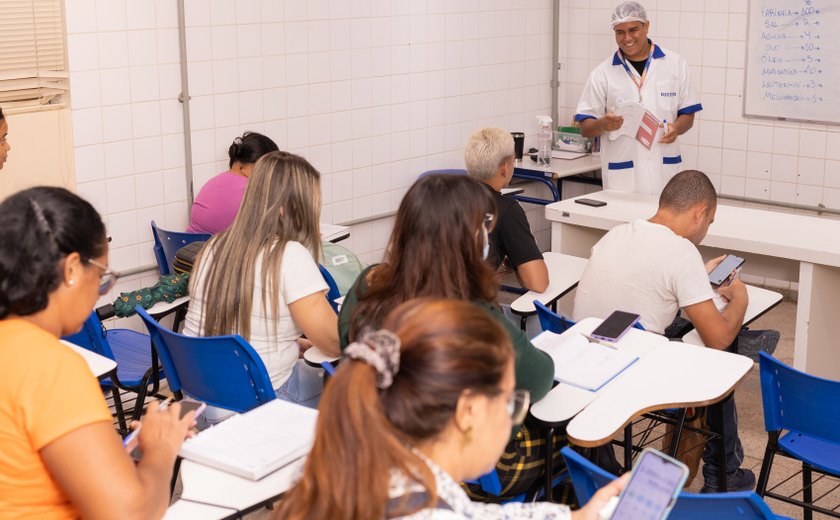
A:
x: 260, y: 278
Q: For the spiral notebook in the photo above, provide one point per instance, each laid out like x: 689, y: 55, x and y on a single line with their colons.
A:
x: 256, y: 443
x: 582, y: 363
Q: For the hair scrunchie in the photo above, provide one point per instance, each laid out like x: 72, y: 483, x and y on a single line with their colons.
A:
x: 381, y: 350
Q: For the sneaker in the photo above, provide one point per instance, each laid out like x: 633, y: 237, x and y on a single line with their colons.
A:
x: 751, y: 342
x: 741, y: 480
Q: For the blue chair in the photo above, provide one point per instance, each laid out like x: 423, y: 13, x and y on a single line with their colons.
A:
x: 138, y: 370
x: 550, y: 320
x: 167, y: 243
x: 806, y: 407
x: 333, y: 293
x: 223, y: 371
x: 587, y: 478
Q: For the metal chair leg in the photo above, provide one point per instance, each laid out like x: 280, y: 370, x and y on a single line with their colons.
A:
x: 118, y: 408
x: 764, y: 474
x: 807, y: 491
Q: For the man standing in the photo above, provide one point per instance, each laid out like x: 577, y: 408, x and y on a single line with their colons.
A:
x: 639, y: 72
x: 653, y: 268
x: 489, y: 156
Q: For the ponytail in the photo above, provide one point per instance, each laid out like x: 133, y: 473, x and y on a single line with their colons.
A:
x: 347, y: 473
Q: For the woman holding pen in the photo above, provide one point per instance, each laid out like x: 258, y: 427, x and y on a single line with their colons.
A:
x: 60, y: 456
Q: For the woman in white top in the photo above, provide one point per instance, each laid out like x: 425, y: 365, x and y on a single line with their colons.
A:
x: 260, y: 279
x: 413, y: 412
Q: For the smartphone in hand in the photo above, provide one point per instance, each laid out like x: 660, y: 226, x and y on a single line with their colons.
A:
x: 725, y: 270
x: 650, y: 494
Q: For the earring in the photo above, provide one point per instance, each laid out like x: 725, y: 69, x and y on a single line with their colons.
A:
x: 467, y: 439
x: 71, y: 282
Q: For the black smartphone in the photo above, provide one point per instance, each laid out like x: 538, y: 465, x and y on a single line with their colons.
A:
x: 591, y: 202
x: 725, y: 269
x: 615, y: 326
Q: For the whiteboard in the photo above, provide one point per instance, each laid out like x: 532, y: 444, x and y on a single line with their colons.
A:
x: 793, y: 60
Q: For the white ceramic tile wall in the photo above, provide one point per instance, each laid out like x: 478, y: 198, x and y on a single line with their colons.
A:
x: 760, y: 158
x: 372, y: 92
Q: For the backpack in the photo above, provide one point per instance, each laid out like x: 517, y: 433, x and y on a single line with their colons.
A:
x: 342, y: 264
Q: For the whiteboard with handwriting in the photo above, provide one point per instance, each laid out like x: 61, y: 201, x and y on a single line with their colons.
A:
x: 793, y: 60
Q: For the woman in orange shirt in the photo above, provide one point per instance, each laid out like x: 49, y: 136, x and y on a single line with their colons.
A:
x: 60, y: 456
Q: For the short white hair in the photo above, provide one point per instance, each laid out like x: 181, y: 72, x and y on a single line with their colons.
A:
x: 629, y: 12
x: 486, y: 150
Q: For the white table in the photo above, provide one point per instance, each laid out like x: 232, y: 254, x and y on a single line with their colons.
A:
x: 101, y: 366
x: 760, y: 301
x: 564, y: 272
x: 211, y: 493
x: 558, y: 170
x: 334, y: 232
x: 777, y: 245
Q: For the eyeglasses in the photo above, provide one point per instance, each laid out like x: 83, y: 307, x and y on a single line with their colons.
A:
x: 517, y: 405
x: 107, y: 279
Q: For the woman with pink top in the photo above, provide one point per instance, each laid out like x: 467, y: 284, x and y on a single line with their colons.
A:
x: 218, y: 201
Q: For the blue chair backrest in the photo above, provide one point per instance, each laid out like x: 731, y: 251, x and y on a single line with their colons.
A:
x: 333, y: 292
x: 550, y: 320
x: 92, y: 337
x: 223, y: 371
x: 797, y: 401
x: 167, y: 243
x: 587, y: 478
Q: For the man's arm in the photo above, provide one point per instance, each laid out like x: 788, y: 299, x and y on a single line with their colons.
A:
x: 533, y: 275
x: 591, y: 127
x: 719, y: 329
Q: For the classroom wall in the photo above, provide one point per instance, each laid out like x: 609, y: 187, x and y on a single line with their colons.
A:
x: 760, y: 158
x: 372, y: 92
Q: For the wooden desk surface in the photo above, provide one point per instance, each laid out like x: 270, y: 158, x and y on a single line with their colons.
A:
x: 758, y: 231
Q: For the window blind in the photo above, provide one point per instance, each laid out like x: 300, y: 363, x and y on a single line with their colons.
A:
x: 33, y: 69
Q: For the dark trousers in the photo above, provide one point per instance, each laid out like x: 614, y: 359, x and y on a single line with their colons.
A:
x: 732, y: 443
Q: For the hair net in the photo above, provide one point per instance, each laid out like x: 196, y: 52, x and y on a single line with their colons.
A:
x: 629, y: 12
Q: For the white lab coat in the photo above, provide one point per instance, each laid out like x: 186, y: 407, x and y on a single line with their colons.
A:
x: 667, y: 92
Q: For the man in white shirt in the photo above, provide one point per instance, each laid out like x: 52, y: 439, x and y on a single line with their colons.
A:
x: 653, y: 268
x: 658, y: 79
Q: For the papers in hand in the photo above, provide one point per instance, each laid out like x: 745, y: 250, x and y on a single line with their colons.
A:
x: 581, y: 363
x: 255, y: 443
x: 639, y: 123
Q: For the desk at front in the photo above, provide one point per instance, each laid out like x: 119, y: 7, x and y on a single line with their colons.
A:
x: 777, y: 245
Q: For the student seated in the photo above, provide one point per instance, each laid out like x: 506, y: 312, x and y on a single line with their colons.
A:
x: 60, y: 456
x: 489, y: 156
x: 218, y: 201
x: 260, y: 278
x: 415, y: 408
x: 653, y: 268
x: 437, y: 248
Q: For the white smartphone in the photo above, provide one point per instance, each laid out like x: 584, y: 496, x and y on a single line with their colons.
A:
x: 656, y: 481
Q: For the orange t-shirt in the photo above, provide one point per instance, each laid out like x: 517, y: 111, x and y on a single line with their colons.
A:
x: 46, y: 391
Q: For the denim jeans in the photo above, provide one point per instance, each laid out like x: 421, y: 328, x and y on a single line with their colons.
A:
x: 304, y: 386
x: 732, y: 443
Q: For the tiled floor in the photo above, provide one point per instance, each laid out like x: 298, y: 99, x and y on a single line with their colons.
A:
x: 751, y: 427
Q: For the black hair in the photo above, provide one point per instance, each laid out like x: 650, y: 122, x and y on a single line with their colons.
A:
x: 687, y: 189
x: 39, y: 227
x: 249, y: 148
x: 2, y: 117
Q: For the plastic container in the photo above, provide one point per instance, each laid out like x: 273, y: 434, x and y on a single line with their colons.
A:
x: 568, y: 138
x: 544, y: 141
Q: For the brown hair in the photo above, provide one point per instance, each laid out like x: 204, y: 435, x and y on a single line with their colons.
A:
x: 447, y: 347
x: 282, y: 203
x: 435, y: 249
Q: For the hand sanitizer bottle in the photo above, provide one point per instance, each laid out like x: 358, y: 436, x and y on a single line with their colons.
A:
x: 544, y: 139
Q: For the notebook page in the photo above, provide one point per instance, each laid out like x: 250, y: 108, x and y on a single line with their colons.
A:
x: 581, y: 363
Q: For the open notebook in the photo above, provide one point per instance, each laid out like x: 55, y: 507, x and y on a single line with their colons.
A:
x: 256, y: 443
x: 582, y: 363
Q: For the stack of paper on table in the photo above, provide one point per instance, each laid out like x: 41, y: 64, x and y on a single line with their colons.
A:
x: 582, y: 363
x: 255, y: 443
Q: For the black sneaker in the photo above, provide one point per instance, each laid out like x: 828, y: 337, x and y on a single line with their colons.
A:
x: 741, y: 480
x: 751, y: 342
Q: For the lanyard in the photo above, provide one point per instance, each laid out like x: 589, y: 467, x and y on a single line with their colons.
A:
x: 641, y: 81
